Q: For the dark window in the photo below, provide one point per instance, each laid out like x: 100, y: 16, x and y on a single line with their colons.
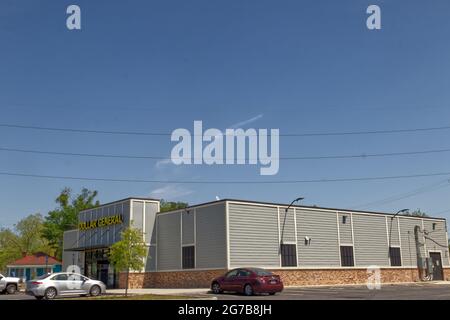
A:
x: 243, y: 273
x: 232, y: 273
x: 288, y: 255
x: 434, y: 226
x: 261, y: 272
x: 344, y: 219
x: 396, y: 259
x: 189, y: 257
x: 44, y: 276
x: 347, y: 256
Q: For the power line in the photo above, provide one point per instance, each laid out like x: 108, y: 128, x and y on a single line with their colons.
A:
x: 95, y: 155
x: 441, y: 212
x: 122, y: 156
x: 433, y: 187
x: 141, y: 133
x: 14, y: 174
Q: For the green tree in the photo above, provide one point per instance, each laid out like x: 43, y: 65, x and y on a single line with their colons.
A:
x: 416, y: 213
x: 169, y: 205
x: 65, y: 216
x: 128, y: 253
x: 24, y: 239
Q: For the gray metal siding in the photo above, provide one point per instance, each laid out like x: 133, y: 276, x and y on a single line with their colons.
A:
x: 287, y: 225
x: 138, y: 215
x: 125, y: 210
x: 69, y: 258
x: 188, y: 227
x: 345, y: 229
x: 321, y: 228
x: 153, y: 240
x: 392, y: 225
x: 408, y: 248
x: 211, y: 239
x: 169, y: 241
x: 436, y: 240
x: 150, y: 264
x: 254, y: 238
x: 370, y: 239
x: 82, y: 234
x: 151, y: 209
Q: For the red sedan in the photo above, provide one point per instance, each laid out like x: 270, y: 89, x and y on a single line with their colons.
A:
x: 248, y: 281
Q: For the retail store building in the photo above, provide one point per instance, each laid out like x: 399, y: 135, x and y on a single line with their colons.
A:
x: 305, y: 245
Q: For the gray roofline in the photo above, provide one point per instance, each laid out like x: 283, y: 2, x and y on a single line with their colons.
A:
x: 327, y: 208
x: 122, y: 200
x: 294, y: 206
x: 195, y: 206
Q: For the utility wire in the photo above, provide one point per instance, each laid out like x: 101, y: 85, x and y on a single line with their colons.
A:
x: 433, y: 187
x: 123, y: 156
x: 14, y: 174
x: 140, y: 133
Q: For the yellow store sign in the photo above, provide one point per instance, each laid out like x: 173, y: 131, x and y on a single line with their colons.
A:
x: 102, y: 222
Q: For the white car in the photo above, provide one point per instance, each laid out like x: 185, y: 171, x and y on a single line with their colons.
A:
x: 50, y: 286
x: 9, y: 284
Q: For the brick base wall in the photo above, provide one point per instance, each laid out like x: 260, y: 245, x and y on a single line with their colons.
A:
x: 170, y: 279
x: 343, y: 276
x: 294, y: 277
x: 447, y: 274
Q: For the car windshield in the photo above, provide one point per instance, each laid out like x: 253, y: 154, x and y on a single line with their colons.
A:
x: 262, y: 272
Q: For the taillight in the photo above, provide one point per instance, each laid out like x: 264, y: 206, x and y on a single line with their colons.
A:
x: 36, y: 282
x: 262, y: 280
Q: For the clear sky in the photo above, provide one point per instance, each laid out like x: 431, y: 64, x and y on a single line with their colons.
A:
x: 154, y: 66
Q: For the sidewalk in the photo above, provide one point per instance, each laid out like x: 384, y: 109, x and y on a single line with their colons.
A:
x: 173, y: 291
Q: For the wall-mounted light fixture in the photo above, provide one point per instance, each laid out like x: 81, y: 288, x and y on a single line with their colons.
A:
x: 307, y: 241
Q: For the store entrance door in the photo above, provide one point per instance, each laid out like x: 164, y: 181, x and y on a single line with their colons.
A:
x: 437, y: 265
x: 102, y: 271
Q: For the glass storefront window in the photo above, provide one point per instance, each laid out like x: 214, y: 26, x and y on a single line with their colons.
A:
x: 97, y: 267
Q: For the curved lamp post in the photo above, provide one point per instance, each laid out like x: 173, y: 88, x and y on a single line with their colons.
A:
x: 390, y: 229
x: 284, y: 221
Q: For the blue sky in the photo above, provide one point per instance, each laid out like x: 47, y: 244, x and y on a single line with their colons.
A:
x: 154, y: 66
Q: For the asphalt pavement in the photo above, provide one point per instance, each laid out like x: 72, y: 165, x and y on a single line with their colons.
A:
x: 416, y: 291
x: 419, y: 291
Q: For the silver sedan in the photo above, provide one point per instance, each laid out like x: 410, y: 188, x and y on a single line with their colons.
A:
x: 53, y: 285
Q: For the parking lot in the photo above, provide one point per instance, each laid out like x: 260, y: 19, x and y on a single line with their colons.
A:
x: 419, y: 291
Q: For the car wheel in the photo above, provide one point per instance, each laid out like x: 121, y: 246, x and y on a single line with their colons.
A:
x: 11, y: 289
x: 272, y: 293
x: 216, y: 288
x: 95, y: 291
x: 248, y: 290
x: 50, y: 293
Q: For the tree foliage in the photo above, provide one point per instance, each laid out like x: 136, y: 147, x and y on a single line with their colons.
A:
x: 128, y: 253
x: 65, y: 216
x: 416, y: 213
x: 170, y: 205
x: 24, y: 239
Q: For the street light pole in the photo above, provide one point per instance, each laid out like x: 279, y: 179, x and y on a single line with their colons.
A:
x: 284, y: 221
x: 390, y: 229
